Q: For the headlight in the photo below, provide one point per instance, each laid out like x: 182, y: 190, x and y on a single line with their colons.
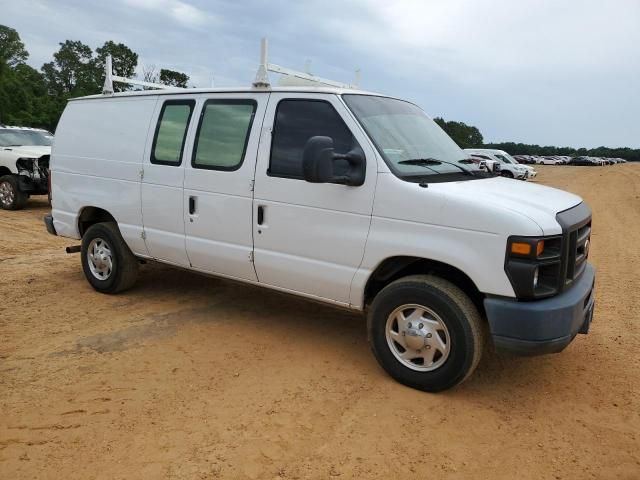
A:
x: 533, y: 265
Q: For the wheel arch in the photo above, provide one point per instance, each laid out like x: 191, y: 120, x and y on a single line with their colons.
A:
x: 5, y: 171
x: 91, y: 215
x: 393, y: 268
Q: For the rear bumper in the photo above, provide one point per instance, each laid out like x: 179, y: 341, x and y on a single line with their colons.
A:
x: 543, y: 326
x: 48, y: 221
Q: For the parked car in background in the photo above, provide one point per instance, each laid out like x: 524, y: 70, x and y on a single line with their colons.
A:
x: 506, y: 158
x: 507, y: 169
x: 524, y: 159
x: 24, y: 165
x: 474, y: 164
x: 547, y: 160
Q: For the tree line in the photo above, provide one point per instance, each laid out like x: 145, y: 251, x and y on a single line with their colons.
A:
x: 36, y: 98
x: 467, y: 136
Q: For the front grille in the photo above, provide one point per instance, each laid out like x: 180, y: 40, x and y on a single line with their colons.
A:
x: 576, y: 235
x: 578, y: 251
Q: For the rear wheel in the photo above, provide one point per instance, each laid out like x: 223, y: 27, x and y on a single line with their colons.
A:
x: 11, y: 198
x: 107, y: 261
x: 425, y: 332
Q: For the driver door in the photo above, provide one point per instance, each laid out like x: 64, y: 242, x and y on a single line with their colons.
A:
x: 309, y: 238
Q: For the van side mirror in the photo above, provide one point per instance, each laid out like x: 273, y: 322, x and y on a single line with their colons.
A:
x: 319, y: 159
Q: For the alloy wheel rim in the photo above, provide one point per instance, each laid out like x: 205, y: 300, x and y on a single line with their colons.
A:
x: 6, y: 193
x: 100, y: 259
x: 418, y: 337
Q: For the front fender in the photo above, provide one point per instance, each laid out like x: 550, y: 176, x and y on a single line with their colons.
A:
x: 480, y: 255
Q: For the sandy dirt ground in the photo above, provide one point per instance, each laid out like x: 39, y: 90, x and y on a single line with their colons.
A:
x: 198, y: 378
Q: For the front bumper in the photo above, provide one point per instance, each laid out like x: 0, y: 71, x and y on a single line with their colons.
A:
x: 48, y: 222
x: 542, y: 326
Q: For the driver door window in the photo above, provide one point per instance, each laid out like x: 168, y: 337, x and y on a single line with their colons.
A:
x: 296, y: 121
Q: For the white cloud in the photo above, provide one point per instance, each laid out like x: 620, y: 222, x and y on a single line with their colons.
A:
x: 184, y: 13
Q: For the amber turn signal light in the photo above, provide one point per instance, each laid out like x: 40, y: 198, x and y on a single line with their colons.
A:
x: 539, y: 248
x: 521, y: 248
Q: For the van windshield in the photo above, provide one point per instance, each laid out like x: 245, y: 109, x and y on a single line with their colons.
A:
x: 412, y: 144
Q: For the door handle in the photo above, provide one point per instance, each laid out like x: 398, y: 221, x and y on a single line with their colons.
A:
x: 260, y: 214
x: 192, y: 205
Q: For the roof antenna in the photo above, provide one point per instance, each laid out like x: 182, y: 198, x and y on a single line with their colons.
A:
x: 262, y: 77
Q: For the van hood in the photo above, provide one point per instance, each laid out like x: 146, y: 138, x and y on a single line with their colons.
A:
x: 31, y: 151
x: 538, y: 202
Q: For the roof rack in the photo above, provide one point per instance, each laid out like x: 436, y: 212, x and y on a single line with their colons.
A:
x: 261, y: 81
x: 107, y: 89
x: 262, y: 77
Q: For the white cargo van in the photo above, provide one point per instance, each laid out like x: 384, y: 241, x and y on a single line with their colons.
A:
x: 346, y: 197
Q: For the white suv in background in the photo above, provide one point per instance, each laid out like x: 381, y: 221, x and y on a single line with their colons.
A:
x: 508, y: 167
x: 24, y: 165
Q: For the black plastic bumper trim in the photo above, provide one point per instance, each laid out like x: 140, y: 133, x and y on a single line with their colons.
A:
x: 542, y: 326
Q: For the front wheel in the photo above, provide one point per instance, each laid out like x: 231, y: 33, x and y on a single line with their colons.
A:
x: 11, y: 198
x: 107, y: 261
x: 506, y: 173
x: 425, y: 332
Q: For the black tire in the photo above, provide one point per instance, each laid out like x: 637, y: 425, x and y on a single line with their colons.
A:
x: 456, y: 311
x: 17, y: 199
x: 506, y: 173
x: 124, y: 265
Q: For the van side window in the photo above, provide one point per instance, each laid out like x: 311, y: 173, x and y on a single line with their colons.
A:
x: 296, y: 122
x: 171, y: 131
x: 223, y: 133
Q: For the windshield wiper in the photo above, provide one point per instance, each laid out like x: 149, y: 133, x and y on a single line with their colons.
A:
x: 425, y: 162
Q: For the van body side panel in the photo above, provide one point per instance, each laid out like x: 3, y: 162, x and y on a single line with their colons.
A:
x: 162, y: 193
x: 219, y: 235
x: 96, y: 162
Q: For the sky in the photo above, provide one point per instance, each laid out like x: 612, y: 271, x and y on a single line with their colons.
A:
x: 551, y: 72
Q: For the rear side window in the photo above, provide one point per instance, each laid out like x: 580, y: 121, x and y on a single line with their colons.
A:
x: 223, y: 133
x: 168, y: 142
x: 296, y: 122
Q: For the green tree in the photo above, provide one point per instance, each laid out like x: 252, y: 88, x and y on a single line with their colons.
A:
x: 73, y: 71
x: 173, y: 78
x: 124, y: 62
x: 12, y: 50
x: 466, y: 136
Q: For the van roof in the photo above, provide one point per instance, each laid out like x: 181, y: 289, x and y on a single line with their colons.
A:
x: 192, y: 91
